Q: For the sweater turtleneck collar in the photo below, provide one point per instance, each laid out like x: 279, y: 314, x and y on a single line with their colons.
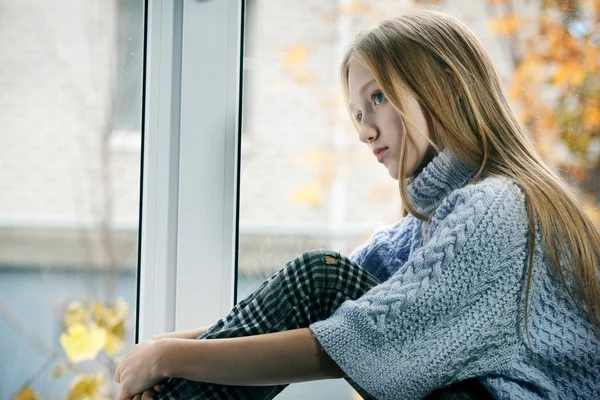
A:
x: 440, y: 177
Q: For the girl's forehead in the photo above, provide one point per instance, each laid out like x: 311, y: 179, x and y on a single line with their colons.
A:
x: 358, y: 71
x: 360, y: 79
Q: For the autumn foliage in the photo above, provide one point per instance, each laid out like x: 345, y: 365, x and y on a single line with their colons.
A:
x: 556, y: 84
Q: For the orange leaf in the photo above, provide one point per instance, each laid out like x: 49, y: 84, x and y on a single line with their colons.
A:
x: 578, y: 75
x: 305, y: 78
x: 295, y: 63
x: 295, y: 57
x: 506, y: 24
x: 311, y: 159
x: 593, y: 211
x: 561, y: 76
x: 546, y: 121
x: 591, y: 59
x: 591, y: 116
x: 356, y: 7
x: 569, y: 74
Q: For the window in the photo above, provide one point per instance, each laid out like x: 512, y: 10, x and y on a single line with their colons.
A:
x: 73, y: 81
x: 70, y: 202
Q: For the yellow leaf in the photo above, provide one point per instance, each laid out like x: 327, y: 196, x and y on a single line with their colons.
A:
x: 76, y: 313
x: 87, y: 387
x: 81, y: 344
x: 26, y: 394
x: 506, y: 24
x: 309, y: 194
x: 108, y: 317
x: 115, y: 339
x: 59, y: 371
x: 112, y: 319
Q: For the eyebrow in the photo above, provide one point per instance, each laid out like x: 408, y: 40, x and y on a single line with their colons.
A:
x: 362, y: 89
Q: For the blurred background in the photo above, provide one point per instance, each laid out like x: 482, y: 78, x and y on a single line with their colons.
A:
x: 70, y: 136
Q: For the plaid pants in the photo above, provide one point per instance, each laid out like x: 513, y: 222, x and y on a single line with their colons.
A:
x: 308, y: 289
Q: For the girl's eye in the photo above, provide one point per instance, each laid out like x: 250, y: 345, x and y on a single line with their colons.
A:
x: 378, y: 98
x: 358, y: 118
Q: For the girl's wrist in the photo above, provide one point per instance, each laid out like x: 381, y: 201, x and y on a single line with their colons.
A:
x: 163, y: 366
x: 175, y: 357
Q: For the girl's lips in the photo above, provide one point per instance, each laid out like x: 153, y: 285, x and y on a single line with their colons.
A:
x: 380, y: 154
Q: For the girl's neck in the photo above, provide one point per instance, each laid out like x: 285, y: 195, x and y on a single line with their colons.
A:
x: 436, y: 179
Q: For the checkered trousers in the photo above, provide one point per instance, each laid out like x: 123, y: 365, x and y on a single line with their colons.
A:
x: 307, y: 289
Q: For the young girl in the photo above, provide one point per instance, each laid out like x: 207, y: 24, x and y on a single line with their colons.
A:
x: 489, y: 286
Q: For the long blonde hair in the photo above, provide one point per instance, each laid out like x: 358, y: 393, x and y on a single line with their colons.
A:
x: 433, y: 55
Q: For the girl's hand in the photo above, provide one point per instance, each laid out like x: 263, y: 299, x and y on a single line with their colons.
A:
x: 149, y: 394
x: 140, y: 369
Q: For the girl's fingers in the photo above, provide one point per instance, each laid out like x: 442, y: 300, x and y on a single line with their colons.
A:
x: 158, y: 388
x: 149, y: 395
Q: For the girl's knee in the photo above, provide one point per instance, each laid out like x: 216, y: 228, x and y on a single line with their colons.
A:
x: 319, y: 257
x: 321, y: 262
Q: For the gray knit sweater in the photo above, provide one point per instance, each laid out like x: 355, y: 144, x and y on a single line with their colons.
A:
x: 451, y: 305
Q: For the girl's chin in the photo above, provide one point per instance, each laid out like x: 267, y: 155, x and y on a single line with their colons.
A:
x: 407, y: 174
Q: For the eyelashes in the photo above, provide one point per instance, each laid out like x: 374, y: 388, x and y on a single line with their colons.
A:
x: 378, y: 95
x: 377, y: 98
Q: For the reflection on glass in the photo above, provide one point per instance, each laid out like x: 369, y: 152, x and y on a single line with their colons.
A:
x: 306, y: 180
x: 70, y: 123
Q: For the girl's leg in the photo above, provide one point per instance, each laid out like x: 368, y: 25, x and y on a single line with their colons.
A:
x: 308, y: 289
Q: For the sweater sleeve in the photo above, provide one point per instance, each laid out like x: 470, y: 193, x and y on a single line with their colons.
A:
x: 450, y: 314
x: 387, y: 249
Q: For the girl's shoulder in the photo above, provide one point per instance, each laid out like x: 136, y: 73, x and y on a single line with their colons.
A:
x: 495, y: 199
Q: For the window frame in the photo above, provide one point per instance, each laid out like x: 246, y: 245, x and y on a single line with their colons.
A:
x: 189, y: 204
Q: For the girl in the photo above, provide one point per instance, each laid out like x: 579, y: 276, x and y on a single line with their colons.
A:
x: 489, y: 285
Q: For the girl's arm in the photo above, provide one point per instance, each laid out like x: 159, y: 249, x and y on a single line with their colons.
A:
x: 268, y: 359
x: 187, y: 334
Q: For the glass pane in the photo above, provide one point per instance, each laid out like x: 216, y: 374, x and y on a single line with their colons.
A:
x: 306, y: 180
x: 70, y: 134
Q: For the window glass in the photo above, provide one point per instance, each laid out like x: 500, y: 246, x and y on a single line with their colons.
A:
x: 306, y: 180
x: 70, y: 134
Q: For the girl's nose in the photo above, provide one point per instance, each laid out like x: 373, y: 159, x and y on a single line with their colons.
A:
x: 367, y: 133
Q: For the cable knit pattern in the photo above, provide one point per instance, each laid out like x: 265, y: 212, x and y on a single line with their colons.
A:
x: 452, y: 303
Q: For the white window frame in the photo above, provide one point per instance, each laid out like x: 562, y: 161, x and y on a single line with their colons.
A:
x: 188, y: 234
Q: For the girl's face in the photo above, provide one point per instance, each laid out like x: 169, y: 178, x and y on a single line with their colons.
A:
x: 379, y: 124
